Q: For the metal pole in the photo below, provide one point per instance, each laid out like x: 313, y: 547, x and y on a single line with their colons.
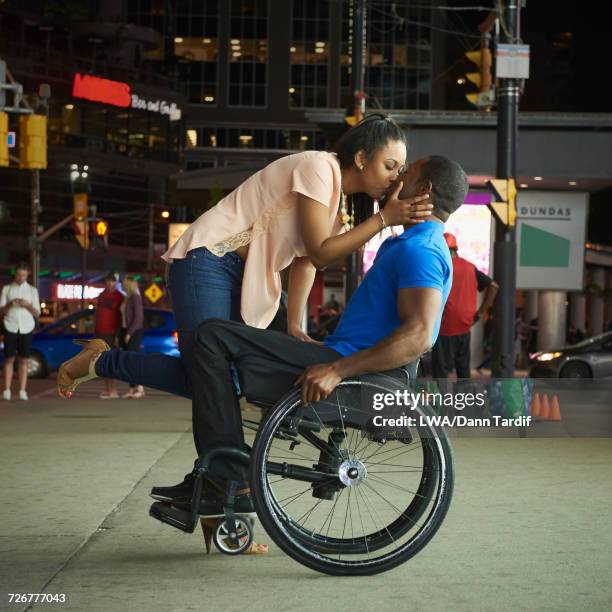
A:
x: 357, y: 72
x: 151, y: 235
x: 34, y: 246
x: 504, y: 253
x: 83, y: 272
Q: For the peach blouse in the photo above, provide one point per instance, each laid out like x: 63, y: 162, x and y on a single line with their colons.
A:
x: 262, y: 212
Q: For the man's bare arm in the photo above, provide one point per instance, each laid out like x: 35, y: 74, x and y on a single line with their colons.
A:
x: 418, y: 310
x: 487, y: 301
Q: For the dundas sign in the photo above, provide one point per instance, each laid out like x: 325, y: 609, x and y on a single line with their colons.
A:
x: 116, y: 93
x: 550, y: 235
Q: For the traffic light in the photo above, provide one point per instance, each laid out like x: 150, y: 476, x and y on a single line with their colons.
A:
x: 33, y: 141
x: 101, y: 228
x: 504, y: 206
x: 80, y: 209
x: 355, y: 112
x: 482, y: 79
x: 4, y: 151
x: 354, y: 118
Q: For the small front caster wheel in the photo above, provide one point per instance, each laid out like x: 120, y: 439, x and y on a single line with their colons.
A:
x: 233, y: 544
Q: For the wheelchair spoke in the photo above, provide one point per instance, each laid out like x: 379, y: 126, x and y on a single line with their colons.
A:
x: 365, y: 447
x: 389, y: 450
x: 307, y: 514
x: 349, y: 513
x: 332, y: 512
x: 293, y: 497
x: 415, y: 470
x: 367, y: 504
x: 402, y: 451
x: 365, y: 539
x: 398, y: 487
x: 401, y: 512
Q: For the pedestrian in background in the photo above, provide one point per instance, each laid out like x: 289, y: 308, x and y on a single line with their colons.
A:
x: 452, y: 349
x: 108, y: 322
x: 132, y: 316
x: 19, y: 308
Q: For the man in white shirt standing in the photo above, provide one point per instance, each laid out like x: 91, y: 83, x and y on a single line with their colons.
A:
x: 19, y: 305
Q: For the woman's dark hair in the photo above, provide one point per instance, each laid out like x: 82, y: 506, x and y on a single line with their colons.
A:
x: 373, y: 132
x: 370, y: 134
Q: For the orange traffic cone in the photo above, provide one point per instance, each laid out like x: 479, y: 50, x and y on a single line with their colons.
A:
x: 545, y: 409
x: 535, y: 406
x: 555, y: 412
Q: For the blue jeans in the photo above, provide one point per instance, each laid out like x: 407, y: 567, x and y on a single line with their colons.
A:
x: 202, y: 286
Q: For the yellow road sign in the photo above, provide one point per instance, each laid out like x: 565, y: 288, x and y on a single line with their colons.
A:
x: 153, y: 293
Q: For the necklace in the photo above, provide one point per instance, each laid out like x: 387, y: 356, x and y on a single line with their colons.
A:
x: 347, y: 220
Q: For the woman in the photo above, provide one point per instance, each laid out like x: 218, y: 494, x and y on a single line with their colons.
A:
x: 228, y: 262
x: 132, y: 316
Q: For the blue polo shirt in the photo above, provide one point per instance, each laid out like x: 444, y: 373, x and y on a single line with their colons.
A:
x: 417, y: 258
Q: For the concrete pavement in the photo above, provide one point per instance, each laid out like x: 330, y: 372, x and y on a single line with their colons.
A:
x: 530, y: 526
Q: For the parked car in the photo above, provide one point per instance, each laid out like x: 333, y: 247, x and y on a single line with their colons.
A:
x: 591, y: 358
x: 53, y: 344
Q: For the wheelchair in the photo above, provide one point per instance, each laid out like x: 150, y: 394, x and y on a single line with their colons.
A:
x: 334, y: 491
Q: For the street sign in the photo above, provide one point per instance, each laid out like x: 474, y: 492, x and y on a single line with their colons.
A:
x: 550, y: 236
x: 153, y: 293
x: 512, y: 61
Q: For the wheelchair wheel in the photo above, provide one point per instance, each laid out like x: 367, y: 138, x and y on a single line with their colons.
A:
x: 341, y: 496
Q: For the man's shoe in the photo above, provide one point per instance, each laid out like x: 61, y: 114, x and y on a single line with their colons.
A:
x: 6, y: 395
x: 212, y: 502
x: 179, y: 493
x: 23, y: 395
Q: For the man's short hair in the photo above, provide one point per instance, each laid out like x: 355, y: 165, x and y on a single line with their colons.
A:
x: 23, y: 265
x: 449, y: 184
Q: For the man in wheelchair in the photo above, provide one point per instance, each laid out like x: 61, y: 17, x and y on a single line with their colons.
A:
x: 392, y: 318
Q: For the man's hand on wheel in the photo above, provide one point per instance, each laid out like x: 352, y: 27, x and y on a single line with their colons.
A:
x: 317, y: 382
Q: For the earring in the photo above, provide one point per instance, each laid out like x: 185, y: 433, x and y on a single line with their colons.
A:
x: 361, y: 167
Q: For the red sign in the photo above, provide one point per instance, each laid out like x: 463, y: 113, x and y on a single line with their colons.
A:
x: 97, y: 89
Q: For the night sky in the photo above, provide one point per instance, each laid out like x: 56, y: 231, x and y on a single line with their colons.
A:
x: 569, y: 71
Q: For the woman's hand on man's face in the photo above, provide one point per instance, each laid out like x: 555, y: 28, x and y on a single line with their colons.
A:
x: 407, y: 211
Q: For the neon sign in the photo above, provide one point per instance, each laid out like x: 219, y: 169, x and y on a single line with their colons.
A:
x: 65, y: 291
x: 101, y: 90
x: 116, y: 93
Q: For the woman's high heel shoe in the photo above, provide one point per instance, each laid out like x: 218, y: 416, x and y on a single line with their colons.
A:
x: 80, y: 368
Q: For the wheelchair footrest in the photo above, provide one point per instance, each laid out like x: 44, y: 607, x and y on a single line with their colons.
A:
x: 181, y: 519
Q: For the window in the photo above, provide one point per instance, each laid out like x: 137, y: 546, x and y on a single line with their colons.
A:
x: 291, y: 139
x: 309, y: 54
x: 83, y: 323
x: 153, y: 319
x: 196, y: 47
x: 397, y: 56
x: 248, y: 52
